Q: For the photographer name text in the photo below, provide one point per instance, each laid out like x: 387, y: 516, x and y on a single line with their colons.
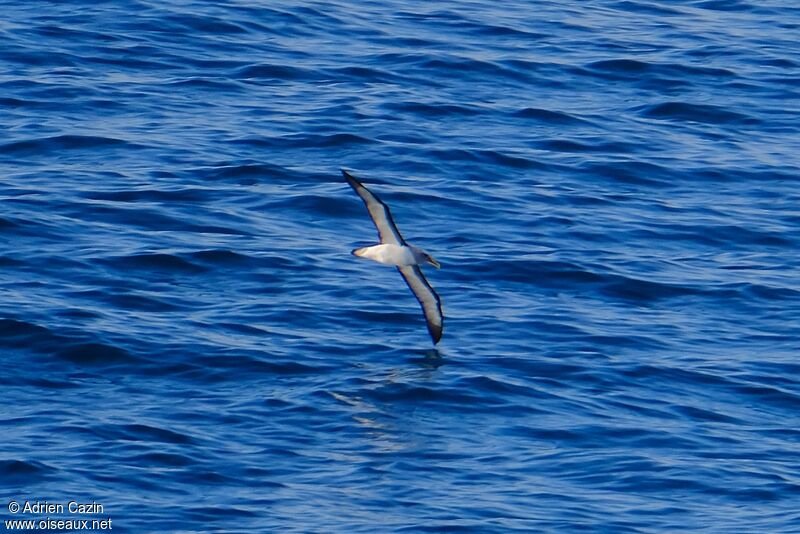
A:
x: 45, y: 507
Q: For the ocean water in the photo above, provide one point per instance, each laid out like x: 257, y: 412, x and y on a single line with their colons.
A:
x: 611, y: 186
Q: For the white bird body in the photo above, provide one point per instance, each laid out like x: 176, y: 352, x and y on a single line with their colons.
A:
x: 389, y: 254
x: 394, y: 250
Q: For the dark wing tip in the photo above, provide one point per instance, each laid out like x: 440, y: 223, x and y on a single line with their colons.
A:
x: 436, y: 333
x: 436, y: 329
x: 354, y: 183
x: 414, y: 276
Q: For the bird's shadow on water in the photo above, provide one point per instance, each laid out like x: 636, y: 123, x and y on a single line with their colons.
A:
x: 386, y: 396
x: 428, y: 359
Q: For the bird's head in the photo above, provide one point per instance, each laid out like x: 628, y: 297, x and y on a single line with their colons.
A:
x: 423, y: 257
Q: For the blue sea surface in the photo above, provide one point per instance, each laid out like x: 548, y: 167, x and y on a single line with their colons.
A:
x: 612, y: 188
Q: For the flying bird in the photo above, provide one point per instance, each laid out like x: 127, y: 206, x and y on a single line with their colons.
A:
x: 394, y: 250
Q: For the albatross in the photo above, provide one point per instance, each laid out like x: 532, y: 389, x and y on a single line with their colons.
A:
x: 394, y: 250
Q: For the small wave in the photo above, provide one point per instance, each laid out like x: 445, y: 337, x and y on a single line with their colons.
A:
x: 769, y: 394
x: 162, y: 459
x: 133, y: 58
x: 310, y: 15
x: 485, y: 156
x: 137, y: 432
x: 630, y: 6
x: 561, y: 275
x: 205, y: 24
x: 221, y: 257
x: 211, y: 84
x: 703, y: 113
x: 632, y: 172
x: 497, y: 30
x: 248, y: 173
x: 387, y: 317
x: 25, y: 471
x: 434, y: 110
x: 675, y: 377
x: 547, y: 116
x: 219, y: 368
x: 6, y: 261
x: 306, y: 141
x: 733, y: 235
x: 411, y: 393
x: 724, y: 5
x: 188, y: 194
x: 628, y: 67
x: 155, y: 262
x: 472, y: 68
x: 764, y: 292
x: 23, y: 103
x: 95, y: 354
x: 366, y: 74
x: 24, y: 334
x: 153, y: 218
x: 620, y: 65
x: 13, y: 328
x: 693, y: 413
x: 494, y: 386
x: 74, y: 33
x: 134, y: 301
x: 599, y: 145
x: 6, y: 223
x: 632, y: 289
x: 62, y: 142
x: 547, y: 274
x: 321, y: 205
x: 273, y: 72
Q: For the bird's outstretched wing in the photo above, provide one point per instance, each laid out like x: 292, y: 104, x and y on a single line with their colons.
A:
x: 427, y: 297
x: 378, y: 211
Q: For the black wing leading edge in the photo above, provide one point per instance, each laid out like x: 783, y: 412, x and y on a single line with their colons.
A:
x: 427, y: 297
x: 378, y: 212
